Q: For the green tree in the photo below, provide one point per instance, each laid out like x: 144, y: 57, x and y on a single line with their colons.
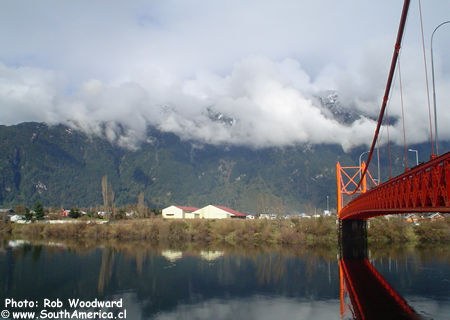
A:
x: 38, y: 210
x: 28, y: 214
x: 74, y: 213
x: 156, y: 211
x: 120, y: 215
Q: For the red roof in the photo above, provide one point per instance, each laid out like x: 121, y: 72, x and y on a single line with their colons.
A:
x: 188, y: 209
x: 234, y: 212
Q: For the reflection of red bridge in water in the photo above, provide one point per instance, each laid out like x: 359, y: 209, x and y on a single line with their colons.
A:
x: 371, y: 296
x: 425, y: 188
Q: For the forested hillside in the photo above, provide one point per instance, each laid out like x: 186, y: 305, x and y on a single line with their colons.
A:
x: 61, y: 166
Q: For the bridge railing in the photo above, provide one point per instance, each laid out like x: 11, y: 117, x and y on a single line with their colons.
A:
x: 425, y: 188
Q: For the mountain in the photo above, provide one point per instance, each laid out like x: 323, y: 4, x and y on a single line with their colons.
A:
x: 333, y: 108
x: 61, y: 166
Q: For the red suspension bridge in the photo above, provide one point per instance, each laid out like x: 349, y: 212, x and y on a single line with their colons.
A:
x: 425, y: 188
x: 365, y: 294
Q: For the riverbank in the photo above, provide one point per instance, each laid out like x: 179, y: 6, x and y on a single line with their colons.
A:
x: 302, y: 232
x: 321, y: 231
x: 396, y: 230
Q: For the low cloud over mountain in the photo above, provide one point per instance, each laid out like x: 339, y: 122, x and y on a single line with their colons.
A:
x: 214, y: 74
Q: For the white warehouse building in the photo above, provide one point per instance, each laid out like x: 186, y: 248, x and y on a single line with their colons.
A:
x: 208, y: 212
x: 179, y: 212
x: 218, y: 212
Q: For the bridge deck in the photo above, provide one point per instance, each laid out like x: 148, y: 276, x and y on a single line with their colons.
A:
x: 425, y: 188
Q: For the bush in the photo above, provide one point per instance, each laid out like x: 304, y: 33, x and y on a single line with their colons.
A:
x: 433, y: 231
x: 177, y: 231
x: 393, y: 230
x: 5, y: 227
x: 201, y: 230
x: 301, y: 232
x: 28, y: 214
x: 74, y: 213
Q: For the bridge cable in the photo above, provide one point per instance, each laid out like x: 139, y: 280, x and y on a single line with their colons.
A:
x: 389, y: 144
x: 386, y: 126
x: 403, y: 117
x: 388, y: 87
x: 426, y: 81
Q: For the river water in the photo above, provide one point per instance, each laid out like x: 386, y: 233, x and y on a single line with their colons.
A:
x: 210, y: 283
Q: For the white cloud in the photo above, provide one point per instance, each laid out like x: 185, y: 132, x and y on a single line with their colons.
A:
x: 26, y: 93
x: 271, y: 103
x: 114, y: 67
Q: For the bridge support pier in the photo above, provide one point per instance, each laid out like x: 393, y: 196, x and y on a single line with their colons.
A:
x: 353, y: 239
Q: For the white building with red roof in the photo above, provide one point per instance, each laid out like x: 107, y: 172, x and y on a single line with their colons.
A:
x: 208, y: 212
x: 179, y: 212
x: 218, y: 212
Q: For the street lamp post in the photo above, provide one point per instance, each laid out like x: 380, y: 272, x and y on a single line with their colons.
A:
x: 434, y: 89
x: 360, y: 163
x: 417, y: 155
x: 378, y: 158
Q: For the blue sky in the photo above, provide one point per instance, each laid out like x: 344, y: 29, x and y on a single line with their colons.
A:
x: 263, y: 63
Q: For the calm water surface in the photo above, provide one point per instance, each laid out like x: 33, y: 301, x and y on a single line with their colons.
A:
x: 200, y: 283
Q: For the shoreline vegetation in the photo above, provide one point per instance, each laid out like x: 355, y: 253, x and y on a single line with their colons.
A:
x: 316, y: 232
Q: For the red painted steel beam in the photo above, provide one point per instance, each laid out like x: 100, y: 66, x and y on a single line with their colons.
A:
x: 425, y: 188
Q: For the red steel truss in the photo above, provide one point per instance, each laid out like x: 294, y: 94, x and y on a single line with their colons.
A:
x: 347, y: 182
x: 425, y: 188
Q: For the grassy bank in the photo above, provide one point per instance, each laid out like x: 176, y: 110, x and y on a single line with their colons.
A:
x: 297, y: 232
x: 322, y: 231
x: 397, y: 230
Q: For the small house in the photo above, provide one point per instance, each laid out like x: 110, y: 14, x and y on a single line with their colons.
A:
x: 436, y: 216
x: 15, y: 218
x: 412, y: 218
x: 7, y: 211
